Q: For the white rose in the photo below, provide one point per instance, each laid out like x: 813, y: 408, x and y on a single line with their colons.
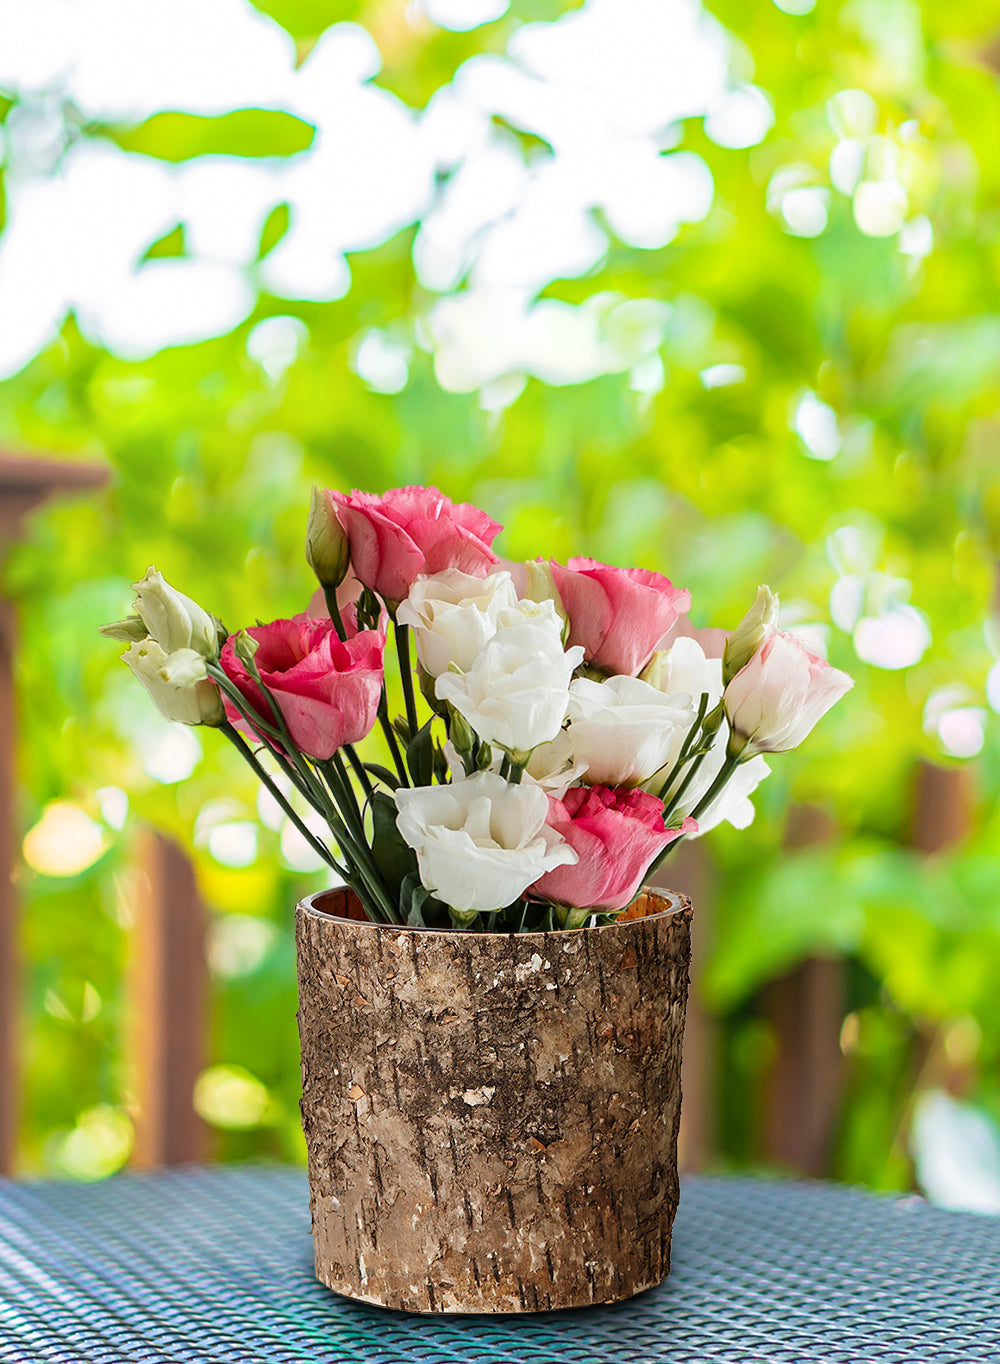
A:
x: 516, y: 692
x: 481, y: 842
x: 624, y: 730
x: 774, y: 700
x: 453, y: 614
x: 177, y: 682
x: 684, y: 668
x: 173, y: 620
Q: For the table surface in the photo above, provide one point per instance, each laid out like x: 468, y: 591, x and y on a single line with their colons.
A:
x: 200, y: 1265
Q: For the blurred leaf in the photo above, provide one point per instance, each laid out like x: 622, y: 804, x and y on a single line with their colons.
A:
x: 244, y: 132
x: 171, y: 244
x: 275, y: 227
x: 308, y: 18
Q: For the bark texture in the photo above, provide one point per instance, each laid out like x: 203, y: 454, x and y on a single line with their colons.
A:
x: 492, y: 1118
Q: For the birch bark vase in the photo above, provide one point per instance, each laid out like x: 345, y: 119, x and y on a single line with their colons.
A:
x: 491, y: 1118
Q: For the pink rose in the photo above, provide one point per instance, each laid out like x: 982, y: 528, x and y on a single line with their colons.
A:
x: 775, y: 699
x: 328, y: 692
x: 408, y: 531
x: 619, y: 615
x: 616, y: 834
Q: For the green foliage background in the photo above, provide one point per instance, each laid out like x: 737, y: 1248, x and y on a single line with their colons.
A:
x: 212, y: 462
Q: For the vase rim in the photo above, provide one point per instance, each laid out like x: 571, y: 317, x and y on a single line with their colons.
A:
x: 673, y: 901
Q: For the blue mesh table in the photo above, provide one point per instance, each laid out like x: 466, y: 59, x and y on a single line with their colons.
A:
x: 200, y: 1265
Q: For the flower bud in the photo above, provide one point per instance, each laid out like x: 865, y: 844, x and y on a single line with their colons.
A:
x: 460, y: 732
x: 173, y: 620
x: 328, y: 551
x: 750, y: 634
x: 178, y: 683
x: 245, y: 647
x: 541, y: 586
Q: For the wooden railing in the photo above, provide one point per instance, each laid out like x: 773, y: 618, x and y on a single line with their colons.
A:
x: 24, y: 483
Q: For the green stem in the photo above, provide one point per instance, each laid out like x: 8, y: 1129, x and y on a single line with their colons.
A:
x: 406, y: 675
x: 685, y: 747
x: 305, y: 781
x: 225, y: 683
x: 359, y: 770
x: 341, y: 785
x: 245, y: 751
x: 692, y: 772
x: 729, y: 766
x: 346, y: 800
x: 333, y: 606
x: 390, y: 737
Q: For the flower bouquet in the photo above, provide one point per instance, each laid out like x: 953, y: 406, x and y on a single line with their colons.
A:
x: 491, y: 1012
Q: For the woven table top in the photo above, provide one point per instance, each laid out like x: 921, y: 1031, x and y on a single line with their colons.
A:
x: 200, y: 1265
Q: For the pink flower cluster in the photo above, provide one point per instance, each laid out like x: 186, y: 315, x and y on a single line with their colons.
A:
x: 532, y: 674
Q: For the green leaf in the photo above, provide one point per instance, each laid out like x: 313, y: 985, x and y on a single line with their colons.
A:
x: 383, y: 774
x: 394, y: 858
x: 440, y: 764
x: 171, y: 244
x: 244, y: 132
x: 307, y: 18
x: 420, y: 756
x: 274, y: 229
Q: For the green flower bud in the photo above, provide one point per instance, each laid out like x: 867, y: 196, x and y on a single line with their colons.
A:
x: 750, y: 634
x: 328, y: 550
x: 459, y: 731
x: 245, y: 648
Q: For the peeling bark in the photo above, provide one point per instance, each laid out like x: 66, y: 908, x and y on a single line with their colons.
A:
x: 491, y: 1118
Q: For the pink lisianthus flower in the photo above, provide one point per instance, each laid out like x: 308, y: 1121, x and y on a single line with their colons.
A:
x: 616, y: 834
x: 327, y: 691
x: 779, y: 694
x: 619, y: 615
x: 409, y: 531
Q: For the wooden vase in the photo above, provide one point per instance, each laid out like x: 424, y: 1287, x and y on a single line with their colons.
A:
x: 491, y: 1118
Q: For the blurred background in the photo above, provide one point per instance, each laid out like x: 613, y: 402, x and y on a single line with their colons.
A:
x: 709, y: 290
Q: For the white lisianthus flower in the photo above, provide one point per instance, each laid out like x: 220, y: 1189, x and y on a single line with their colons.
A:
x: 481, y: 842
x: 684, y: 668
x: 177, y: 682
x: 624, y: 730
x: 774, y: 700
x: 554, y: 766
x: 453, y: 614
x: 173, y: 620
x: 516, y: 692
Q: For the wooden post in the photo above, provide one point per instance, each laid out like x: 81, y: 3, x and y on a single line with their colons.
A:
x: 942, y: 813
x: 9, y: 973
x: 943, y: 803
x: 806, y: 1010
x: 689, y: 873
x: 168, y: 989
x: 24, y: 483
